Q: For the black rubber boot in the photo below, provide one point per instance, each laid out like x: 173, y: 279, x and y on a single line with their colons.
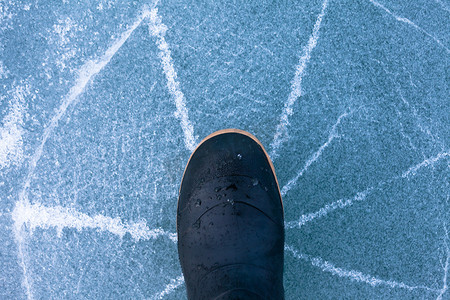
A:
x: 230, y: 220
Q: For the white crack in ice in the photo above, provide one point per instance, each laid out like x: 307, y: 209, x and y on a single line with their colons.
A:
x: 281, y: 134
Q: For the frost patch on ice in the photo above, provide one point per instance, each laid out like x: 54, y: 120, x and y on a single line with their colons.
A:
x: 105, y: 4
x: 11, y: 144
x: 3, y: 71
x: 65, y: 30
x: 5, y: 15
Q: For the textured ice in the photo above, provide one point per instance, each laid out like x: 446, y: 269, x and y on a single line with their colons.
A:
x: 102, y: 104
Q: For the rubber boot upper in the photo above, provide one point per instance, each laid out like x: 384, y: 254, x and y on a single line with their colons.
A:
x: 230, y: 221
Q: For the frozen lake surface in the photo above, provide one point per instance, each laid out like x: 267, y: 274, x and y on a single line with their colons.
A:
x: 102, y: 104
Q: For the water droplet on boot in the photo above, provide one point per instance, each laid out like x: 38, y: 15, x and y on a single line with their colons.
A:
x: 196, y: 225
x: 231, y: 201
x: 239, y: 156
x: 255, y: 181
x: 217, y: 189
x: 232, y: 187
x: 198, y: 202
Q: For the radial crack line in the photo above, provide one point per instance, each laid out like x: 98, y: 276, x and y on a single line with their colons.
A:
x: 410, y: 23
x: 353, y: 275
x: 172, y: 286
x: 40, y: 216
x: 341, y: 203
x: 447, y: 261
x: 427, y: 162
x: 158, y: 30
x: 360, y: 196
x: 443, y: 5
x: 19, y: 236
x: 281, y: 134
x: 85, y: 75
x: 332, y: 135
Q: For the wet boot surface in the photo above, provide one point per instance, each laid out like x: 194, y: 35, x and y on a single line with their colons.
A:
x: 230, y: 221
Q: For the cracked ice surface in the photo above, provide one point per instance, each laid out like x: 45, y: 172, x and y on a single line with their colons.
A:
x: 102, y: 104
